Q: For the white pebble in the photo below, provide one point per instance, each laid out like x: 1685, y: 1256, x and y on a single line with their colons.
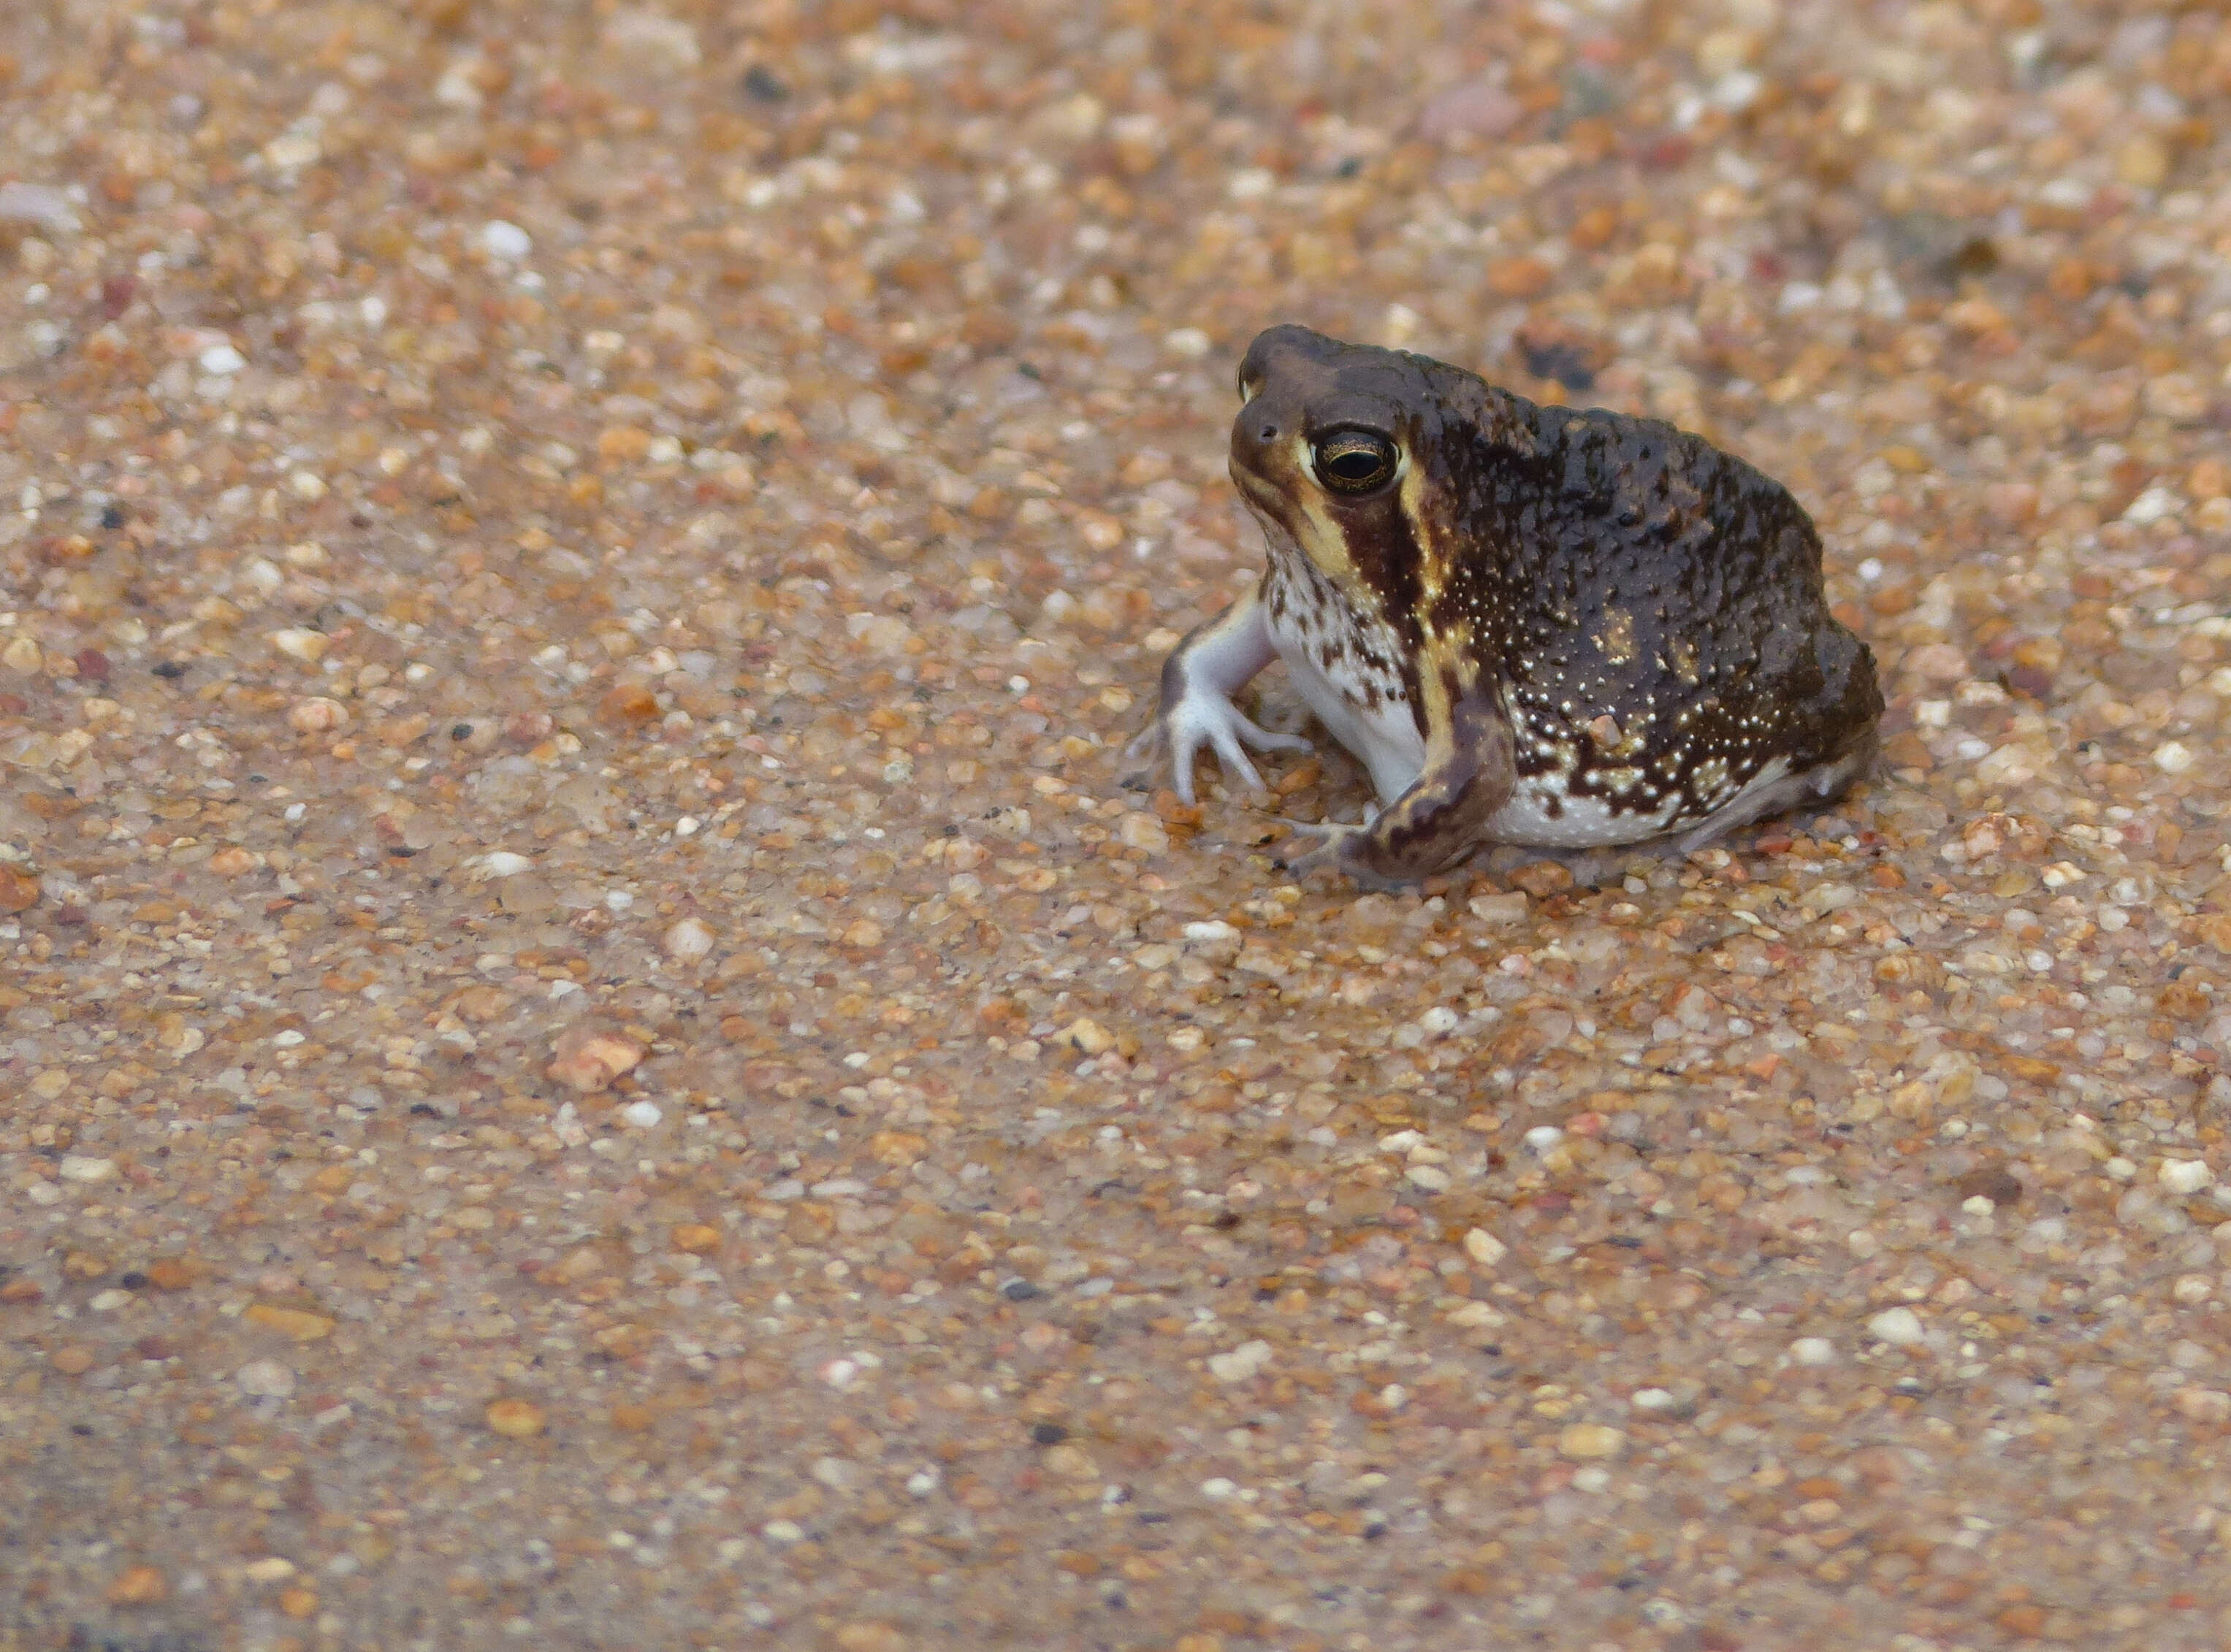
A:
x: 1901, y: 1327
x: 1813, y: 1350
x: 505, y: 240
x: 785, y: 1532
x: 77, y: 1167
x: 1241, y: 1363
x: 1218, y: 1489
x: 642, y: 1115
x: 297, y: 642
x: 840, y: 1374
x: 1437, y: 1021
x: 2177, y: 1175
x: 265, y: 1379
x: 39, y: 204
x: 1650, y: 1399
x: 922, y: 1482
x: 1542, y: 1137
x: 1484, y: 1248
x: 221, y: 361
x: 2151, y: 506
x: 2174, y: 756
x: 502, y: 863
x: 689, y: 940
x: 1432, y: 1177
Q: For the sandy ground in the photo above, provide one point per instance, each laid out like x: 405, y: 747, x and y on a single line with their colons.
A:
x: 592, y: 1054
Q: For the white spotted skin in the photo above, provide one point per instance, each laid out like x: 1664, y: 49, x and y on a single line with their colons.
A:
x: 1584, y: 822
x: 1331, y: 653
x: 1541, y: 814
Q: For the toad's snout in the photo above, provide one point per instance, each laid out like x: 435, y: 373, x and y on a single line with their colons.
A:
x: 1262, y: 437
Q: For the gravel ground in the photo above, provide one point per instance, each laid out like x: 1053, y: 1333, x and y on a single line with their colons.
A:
x: 593, y: 1055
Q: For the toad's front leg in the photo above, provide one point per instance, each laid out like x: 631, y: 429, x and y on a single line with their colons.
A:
x: 1213, y: 662
x: 1440, y: 820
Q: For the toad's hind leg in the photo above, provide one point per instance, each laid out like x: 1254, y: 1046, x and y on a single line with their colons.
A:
x: 1213, y: 662
x: 1815, y: 787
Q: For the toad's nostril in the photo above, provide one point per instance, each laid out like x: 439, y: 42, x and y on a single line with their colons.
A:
x: 1267, y: 433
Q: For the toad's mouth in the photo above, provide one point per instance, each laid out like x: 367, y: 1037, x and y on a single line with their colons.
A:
x: 1270, y: 502
x: 1291, y: 528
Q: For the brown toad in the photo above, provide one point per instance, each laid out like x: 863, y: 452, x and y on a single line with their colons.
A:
x: 1542, y: 626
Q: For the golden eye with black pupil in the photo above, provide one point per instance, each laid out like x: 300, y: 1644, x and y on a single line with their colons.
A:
x: 1354, y: 461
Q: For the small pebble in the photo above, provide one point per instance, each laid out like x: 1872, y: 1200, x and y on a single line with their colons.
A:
x: 140, y: 1586
x: 309, y: 646
x: 1241, y: 1363
x: 2177, y: 1175
x: 515, y: 1419
x: 505, y: 240
x: 265, y: 1379
x: 1591, y: 1440
x: 1088, y: 1036
x: 1900, y: 1328
x: 689, y: 940
x: 593, y: 1063
x: 1484, y: 1248
x: 296, y: 1323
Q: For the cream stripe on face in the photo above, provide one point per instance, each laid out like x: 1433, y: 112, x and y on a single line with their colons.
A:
x: 1433, y: 565
x: 1445, y: 652
x: 1325, y: 543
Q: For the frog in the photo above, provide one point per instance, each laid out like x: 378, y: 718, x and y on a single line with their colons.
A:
x: 1571, y: 630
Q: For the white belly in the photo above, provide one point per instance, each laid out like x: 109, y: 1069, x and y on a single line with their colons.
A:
x: 1543, y: 815
x: 1385, y: 740
x: 1342, y: 665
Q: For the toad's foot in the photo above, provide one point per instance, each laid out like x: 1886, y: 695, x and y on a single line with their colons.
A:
x: 1213, y: 662
x: 1337, y: 840
x: 1203, y: 718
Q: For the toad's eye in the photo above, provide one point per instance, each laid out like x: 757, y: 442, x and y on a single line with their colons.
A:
x: 1354, y: 461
